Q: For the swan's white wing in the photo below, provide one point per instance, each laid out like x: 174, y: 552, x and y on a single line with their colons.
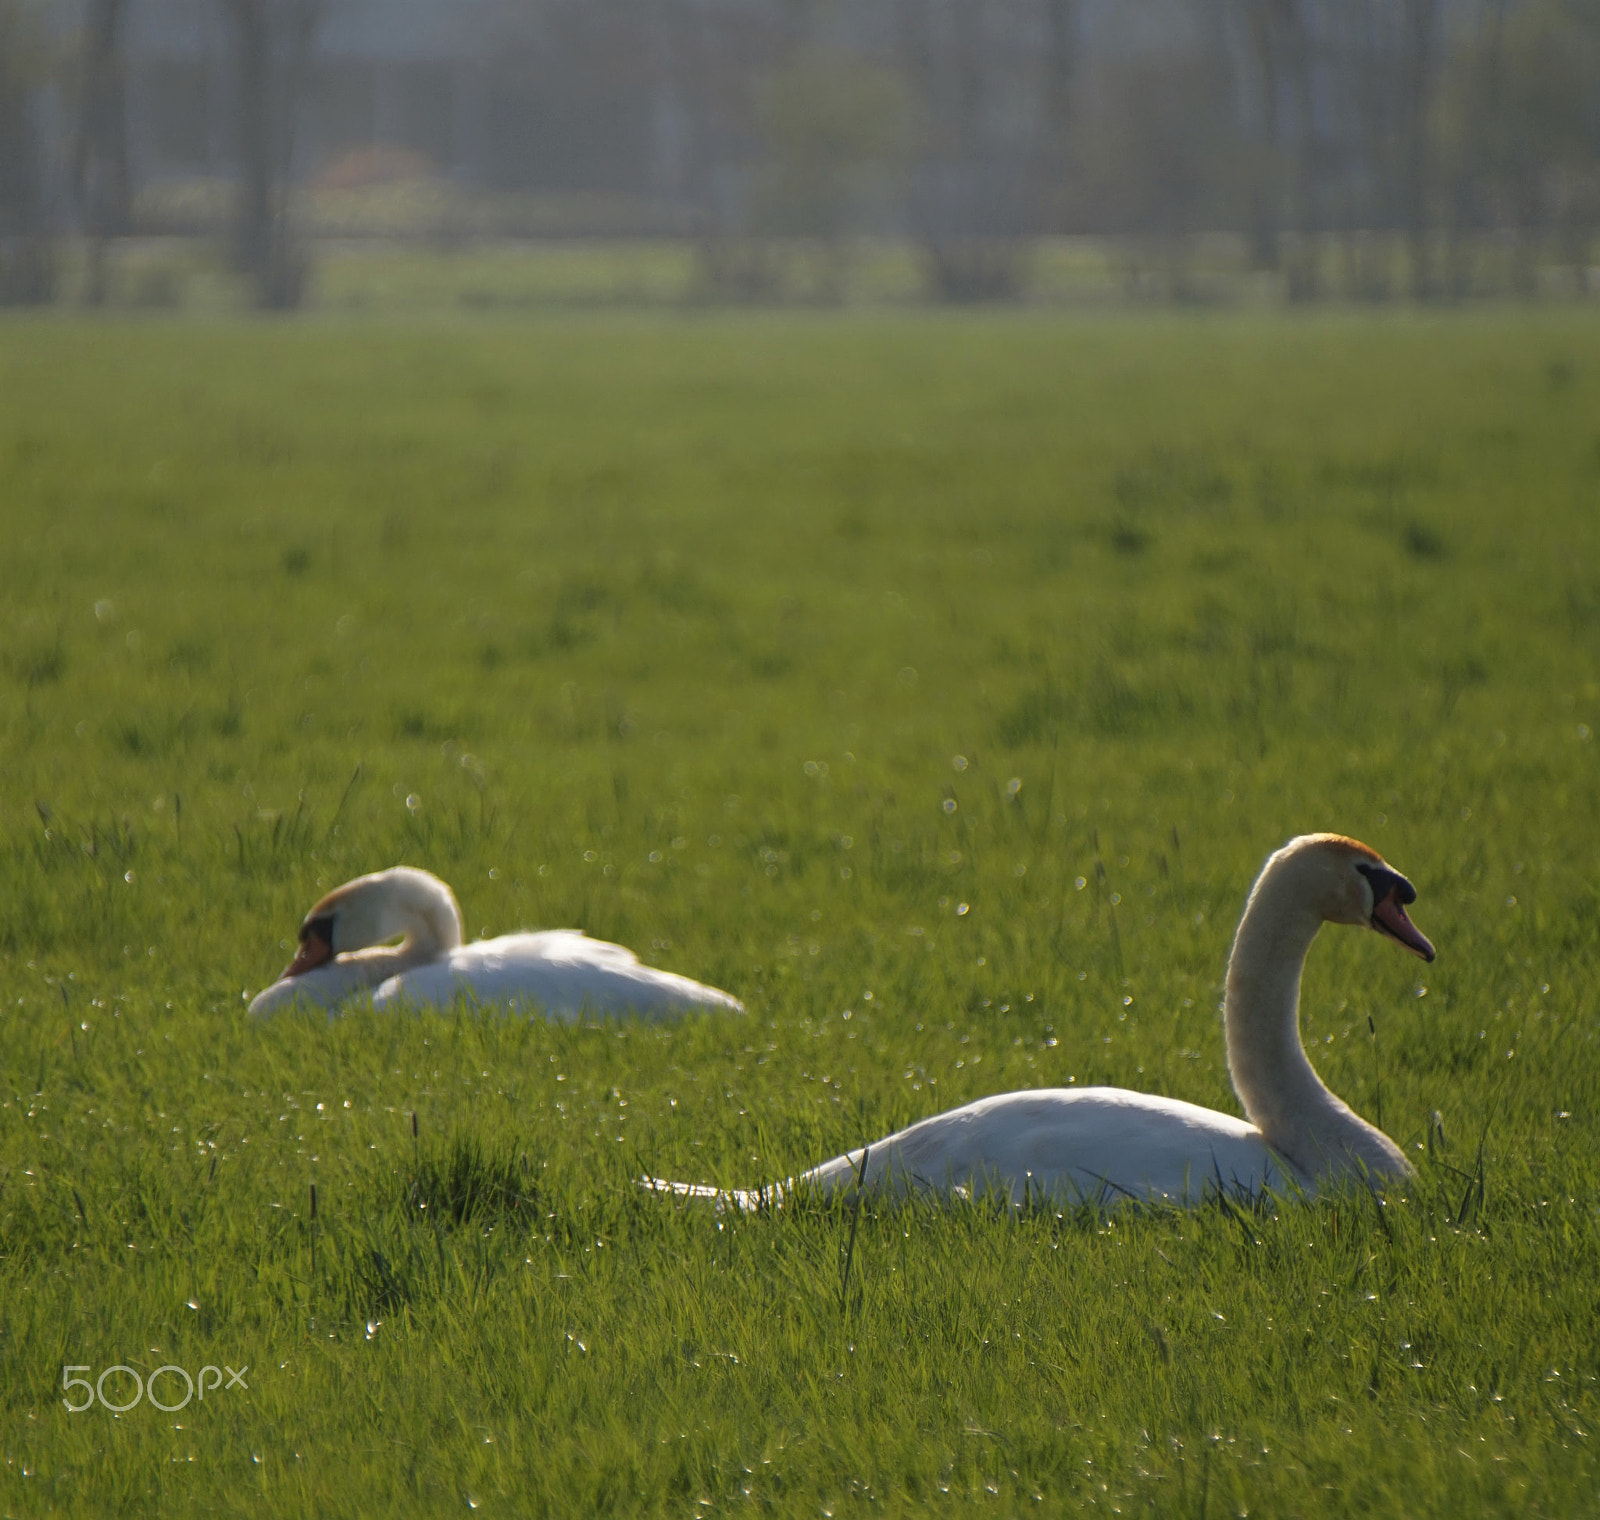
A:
x: 325, y: 987
x: 285, y: 993
x: 1092, y: 1143
x: 561, y: 973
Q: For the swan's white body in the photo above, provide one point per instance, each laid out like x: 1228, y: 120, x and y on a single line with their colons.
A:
x: 1069, y: 1144
x: 561, y: 974
x: 1105, y: 1144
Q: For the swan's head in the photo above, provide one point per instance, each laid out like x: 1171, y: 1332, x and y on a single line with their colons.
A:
x: 1351, y: 883
x: 373, y: 909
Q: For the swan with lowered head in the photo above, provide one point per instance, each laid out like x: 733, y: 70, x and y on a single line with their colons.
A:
x: 1105, y: 1144
x: 560, y: 973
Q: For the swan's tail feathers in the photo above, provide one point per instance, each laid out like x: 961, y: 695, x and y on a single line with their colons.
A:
x: 682, y: 992
x: 711, y: 997
x: 681, y: 1189
x: 658, y: 994
x: 746, y: 1200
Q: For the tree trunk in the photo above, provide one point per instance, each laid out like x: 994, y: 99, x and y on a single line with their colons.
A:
x: 1420, y: 73
x: 274, y: 40
x: 99, y: 167
x: 1264, y: 25
x: 27, y: 257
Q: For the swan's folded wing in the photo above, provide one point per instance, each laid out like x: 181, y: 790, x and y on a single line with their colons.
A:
x: 1095, y: 1144
x: 561, y: 973
x: 283, y: 993
x: 326, y: 987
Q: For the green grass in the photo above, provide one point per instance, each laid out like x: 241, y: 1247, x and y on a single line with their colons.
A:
x: 674, y: 630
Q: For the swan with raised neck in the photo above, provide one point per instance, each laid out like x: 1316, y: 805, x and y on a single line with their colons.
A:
x: 1107, y: 1143
x: 560, y: 973
x: 1312, y: 880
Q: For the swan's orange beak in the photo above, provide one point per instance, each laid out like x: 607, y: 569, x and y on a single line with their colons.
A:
x: 316, y: 949
x: 1389, y: 917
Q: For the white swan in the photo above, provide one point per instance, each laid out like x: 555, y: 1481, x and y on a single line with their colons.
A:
x: 560, y: 973
x: 1104, y: 1144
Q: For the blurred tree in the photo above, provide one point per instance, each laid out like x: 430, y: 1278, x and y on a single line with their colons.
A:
x: 1419, y: 50
x: 1265, y: 73
x: 27, y: 257
x: 1166, y: 161
x: 1520, y: 124
x: 273, y: 40
x: 984, y: 80
x: 656, y: 99
x: 1280, y: 158
x: 718, y: 50
x: 99, y: 167
x: 835, y: 126
x: 1054, y: 150
x: 1338, y: 96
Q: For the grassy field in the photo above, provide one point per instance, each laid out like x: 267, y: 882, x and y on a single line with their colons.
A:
x: 937, y: 685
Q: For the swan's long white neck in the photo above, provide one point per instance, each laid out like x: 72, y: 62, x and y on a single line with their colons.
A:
x: 366, y: 912
x: 1282, y: 1095
x: 402, y: 901
x: 399, y: 901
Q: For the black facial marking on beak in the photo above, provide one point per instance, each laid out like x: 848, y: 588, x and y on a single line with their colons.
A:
x: 1390, y: 894
x: 322, y: 928
x: 316, y: 946
x: 1384, y: 881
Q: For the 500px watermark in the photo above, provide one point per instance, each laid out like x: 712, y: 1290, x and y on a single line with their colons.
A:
x: 145, y: 1388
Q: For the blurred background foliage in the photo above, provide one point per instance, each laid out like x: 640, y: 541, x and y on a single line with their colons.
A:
x: 178, y: 152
